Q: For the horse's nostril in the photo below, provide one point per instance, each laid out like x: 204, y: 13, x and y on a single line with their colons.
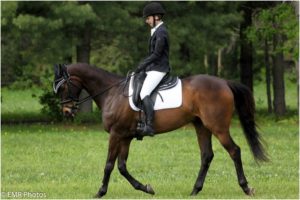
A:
x: 67, y: 111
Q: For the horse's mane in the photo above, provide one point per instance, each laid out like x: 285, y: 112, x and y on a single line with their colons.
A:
x: 95, y: 70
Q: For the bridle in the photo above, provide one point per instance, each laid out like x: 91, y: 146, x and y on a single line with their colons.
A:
x: 70, y: 98
x: 68, y: 81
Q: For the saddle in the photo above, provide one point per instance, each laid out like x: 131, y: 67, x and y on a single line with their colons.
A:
x: 166, y: 83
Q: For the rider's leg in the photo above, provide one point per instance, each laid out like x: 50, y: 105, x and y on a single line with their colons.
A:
x: 152, y: 79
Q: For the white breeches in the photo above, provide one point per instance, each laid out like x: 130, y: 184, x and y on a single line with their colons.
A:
x: 152, y: 79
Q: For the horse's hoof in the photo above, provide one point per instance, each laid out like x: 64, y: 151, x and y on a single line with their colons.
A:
x: 195, y: 192
x: 250, y: 192
x: 100, y: 194
x: 149, y: 189
x: 97, y: 196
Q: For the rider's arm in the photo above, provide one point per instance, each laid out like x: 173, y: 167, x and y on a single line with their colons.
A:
x: 157, y: 53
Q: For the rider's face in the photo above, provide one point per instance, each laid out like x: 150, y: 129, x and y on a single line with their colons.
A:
x: 150, y: 21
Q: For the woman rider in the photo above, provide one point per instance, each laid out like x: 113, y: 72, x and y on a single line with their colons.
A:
x: 156, y: 65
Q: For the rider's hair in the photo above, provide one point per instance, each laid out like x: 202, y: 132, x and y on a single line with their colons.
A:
x: 159, y: 16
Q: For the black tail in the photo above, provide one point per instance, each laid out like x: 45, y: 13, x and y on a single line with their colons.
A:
x: 245, y: 106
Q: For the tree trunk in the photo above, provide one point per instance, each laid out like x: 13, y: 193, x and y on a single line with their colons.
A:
x: 213, y: 64
x: 83, y: 55
x: 220, y: 65
x: 268, y: 76
x: 278, y: 77
x: 246, y: 49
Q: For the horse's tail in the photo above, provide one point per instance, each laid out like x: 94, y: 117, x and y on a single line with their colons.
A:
x: 245, y: 106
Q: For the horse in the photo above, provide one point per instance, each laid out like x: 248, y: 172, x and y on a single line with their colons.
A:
x: 208, y: 103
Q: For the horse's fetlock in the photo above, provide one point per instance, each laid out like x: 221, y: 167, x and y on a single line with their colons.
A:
x: 137, y: 186
x: 243, y: 184
x: 122, y: 169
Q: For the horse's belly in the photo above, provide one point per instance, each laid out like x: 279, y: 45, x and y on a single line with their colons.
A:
x: 170, y: 119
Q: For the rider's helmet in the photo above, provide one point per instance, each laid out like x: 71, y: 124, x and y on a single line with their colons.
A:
x: 153, y: 8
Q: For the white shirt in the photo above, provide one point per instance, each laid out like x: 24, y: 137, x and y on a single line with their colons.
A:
x: 156, y: 27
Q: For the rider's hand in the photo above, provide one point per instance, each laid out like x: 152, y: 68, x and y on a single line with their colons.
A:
x: 139, y: 69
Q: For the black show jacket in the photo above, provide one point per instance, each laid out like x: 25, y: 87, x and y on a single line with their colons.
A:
x: 158, y: 59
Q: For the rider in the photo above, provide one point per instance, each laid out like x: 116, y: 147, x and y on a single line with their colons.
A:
x: 156, y: 65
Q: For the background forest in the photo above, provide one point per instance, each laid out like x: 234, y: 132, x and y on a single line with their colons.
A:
x: 244, y: 41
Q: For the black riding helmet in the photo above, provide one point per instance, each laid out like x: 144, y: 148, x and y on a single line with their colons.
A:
x: 152, y: 9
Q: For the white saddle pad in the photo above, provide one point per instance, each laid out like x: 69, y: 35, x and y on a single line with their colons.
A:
x: 170, y: 98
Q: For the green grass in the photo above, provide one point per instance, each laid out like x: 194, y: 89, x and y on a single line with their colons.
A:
x: 19, y: 105
x: 23, y: 106
x: 67, y: 161
x: 20, y: 101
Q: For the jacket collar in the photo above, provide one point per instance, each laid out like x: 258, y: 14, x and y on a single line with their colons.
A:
x: 155, y: 28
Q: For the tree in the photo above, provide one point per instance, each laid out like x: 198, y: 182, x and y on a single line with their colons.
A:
x: 246, y: 58
x: 9, y: 45
x: 198, y: 30
x: 278, y: 26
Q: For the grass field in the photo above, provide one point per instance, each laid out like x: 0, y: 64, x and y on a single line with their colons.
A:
x: 67, y: 161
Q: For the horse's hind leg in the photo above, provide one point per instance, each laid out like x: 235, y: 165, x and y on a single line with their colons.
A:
x: 122, y: 158
x: 235, y: 153
x: 204, y: 141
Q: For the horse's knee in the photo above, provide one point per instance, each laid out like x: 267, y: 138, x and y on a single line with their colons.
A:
x: 108, y: 167
x: 206, y: 158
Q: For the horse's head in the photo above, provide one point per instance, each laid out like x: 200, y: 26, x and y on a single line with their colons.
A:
x: 68, y: 88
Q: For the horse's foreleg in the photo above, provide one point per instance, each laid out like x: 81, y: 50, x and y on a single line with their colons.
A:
x: 123, y: 155
x: 204, y: 141
x: 109, y: 166
x: 235, y: 153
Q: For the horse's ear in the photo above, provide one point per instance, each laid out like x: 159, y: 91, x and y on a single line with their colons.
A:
x: 57, y: 71
x: 64, y: 71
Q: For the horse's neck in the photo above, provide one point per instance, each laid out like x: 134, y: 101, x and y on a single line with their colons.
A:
x: 96, y: 81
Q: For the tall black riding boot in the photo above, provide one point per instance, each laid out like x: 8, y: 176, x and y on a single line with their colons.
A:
x: 149, y: 112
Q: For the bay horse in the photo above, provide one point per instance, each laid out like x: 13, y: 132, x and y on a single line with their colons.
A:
x: 208, y: 103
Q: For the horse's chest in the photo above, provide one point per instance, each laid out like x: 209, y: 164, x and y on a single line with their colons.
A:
x: 113, y: 120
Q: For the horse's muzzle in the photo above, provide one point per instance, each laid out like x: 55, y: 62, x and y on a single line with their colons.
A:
x: 69, y: 111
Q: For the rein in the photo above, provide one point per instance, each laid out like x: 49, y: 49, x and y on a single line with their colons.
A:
x: 80, y: 101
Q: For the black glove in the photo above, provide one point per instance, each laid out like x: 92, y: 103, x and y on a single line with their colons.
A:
x: 139, y: 69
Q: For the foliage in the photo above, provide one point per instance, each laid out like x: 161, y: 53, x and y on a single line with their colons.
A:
x: 37, y: 35
x: 282, y: 20
x: 48, y: 33
x: 51, y: 105
x: 199, y: 28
